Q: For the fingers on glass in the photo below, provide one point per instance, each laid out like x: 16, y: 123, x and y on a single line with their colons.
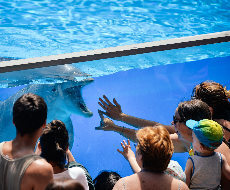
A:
x: 107, y: 101
x: 105, y: 108
x: 125, y: 143
x: 101, y: 115
x: 122, y: 145
x: 115, y: 102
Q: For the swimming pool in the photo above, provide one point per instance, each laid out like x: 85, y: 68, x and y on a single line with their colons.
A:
x: 152, y: 92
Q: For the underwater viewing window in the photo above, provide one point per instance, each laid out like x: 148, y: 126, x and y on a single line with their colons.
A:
x: 148, y: 86
x: 148, y: 55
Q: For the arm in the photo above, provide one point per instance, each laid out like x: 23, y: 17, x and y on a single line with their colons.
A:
x: 114, y: 111
x: 70, y: 155
x: 108, y: 125
x: 129, y: 156
x: 188, y: 171
x: 225, y: 167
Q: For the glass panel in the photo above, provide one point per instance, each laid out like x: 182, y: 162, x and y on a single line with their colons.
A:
x: 151, y: 93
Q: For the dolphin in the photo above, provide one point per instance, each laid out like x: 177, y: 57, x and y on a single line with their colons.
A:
x: 52, y: 74
x: 63, y: 99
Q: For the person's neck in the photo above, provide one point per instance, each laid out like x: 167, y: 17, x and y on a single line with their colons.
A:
x: 57, y: 169
x: 206, y: 153
x: 20, y: 146
x: 25, y: 142
x: 149, y: 170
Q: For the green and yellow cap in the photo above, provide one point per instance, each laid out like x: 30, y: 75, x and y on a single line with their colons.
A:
x: 207, y: 131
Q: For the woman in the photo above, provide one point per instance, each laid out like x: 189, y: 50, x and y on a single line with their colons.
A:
x: 54, y: 147
x: 217, y: 97
x: 153, y: 153
x: 182, y: 136
x: 214, y: 94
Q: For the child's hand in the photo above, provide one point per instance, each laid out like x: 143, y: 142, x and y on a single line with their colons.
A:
x: 127, y: 152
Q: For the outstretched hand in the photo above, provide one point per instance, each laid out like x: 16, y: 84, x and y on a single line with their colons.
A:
x: 106, y: 124
x: 112, y: 110
x: 127, y: 151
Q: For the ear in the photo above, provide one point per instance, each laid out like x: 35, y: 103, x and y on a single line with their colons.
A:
x: 211, y: 110
x: 189, y: 131
x: 201, y: 147
x: 38, y: 149
x: 39, y: 146
x: 44, y: 125
x: 67, y: 148
x: 141, y: 158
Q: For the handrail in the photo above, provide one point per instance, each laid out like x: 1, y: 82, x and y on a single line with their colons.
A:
x: 112, y: 52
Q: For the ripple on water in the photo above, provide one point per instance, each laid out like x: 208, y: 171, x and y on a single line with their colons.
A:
x: 48, y: 27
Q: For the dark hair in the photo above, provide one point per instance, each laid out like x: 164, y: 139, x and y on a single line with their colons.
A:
x: 54, y: 142
x: 216, y: 96
x: 193, y: 109
x: 64, y: 184
x: 106, y: 180
x: 29, y: 113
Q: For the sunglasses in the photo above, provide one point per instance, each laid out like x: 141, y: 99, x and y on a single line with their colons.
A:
x: 175, y: 120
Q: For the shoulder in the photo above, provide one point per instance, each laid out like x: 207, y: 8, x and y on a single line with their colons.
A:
x: 224, y: 150
x: 77, y: 170
x: 178, y: 184
x: 40, y: 168
x: 119, y: 184
x: 183, y: 186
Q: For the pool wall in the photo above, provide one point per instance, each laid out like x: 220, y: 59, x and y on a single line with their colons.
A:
x: 152, y: 94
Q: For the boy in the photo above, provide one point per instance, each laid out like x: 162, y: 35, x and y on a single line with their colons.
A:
x: 203, y: 170
x: 21, y: 168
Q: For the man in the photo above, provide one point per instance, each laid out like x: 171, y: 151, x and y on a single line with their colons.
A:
x: 21, y: 168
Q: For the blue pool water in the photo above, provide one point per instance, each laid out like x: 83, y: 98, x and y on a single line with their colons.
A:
x: 49, y: 27
x: 149, y: 86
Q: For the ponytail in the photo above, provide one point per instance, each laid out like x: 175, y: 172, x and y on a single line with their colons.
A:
x: 54, y: 143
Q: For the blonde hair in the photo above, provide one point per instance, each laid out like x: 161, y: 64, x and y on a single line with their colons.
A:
x: 155, y: 146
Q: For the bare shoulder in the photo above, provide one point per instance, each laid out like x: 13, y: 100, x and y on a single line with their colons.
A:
x: 177, y: 183
x: 37, y: 175
x: 224, y: 150
x: 184, y: 186
x: 40, y: 165
x: 119, y: 185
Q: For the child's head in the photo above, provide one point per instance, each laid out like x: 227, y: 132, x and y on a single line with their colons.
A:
x: 207, y: 133
x: 106, y: 180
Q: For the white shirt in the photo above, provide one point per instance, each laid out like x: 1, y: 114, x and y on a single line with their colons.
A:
x: 74, y: 173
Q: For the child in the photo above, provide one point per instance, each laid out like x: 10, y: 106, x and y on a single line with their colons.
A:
x: 203, y: 170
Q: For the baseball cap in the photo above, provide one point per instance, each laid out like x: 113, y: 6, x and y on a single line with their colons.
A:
x: 207, y: 131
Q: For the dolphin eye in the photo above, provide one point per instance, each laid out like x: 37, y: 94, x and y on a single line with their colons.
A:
x: 54, y: 89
